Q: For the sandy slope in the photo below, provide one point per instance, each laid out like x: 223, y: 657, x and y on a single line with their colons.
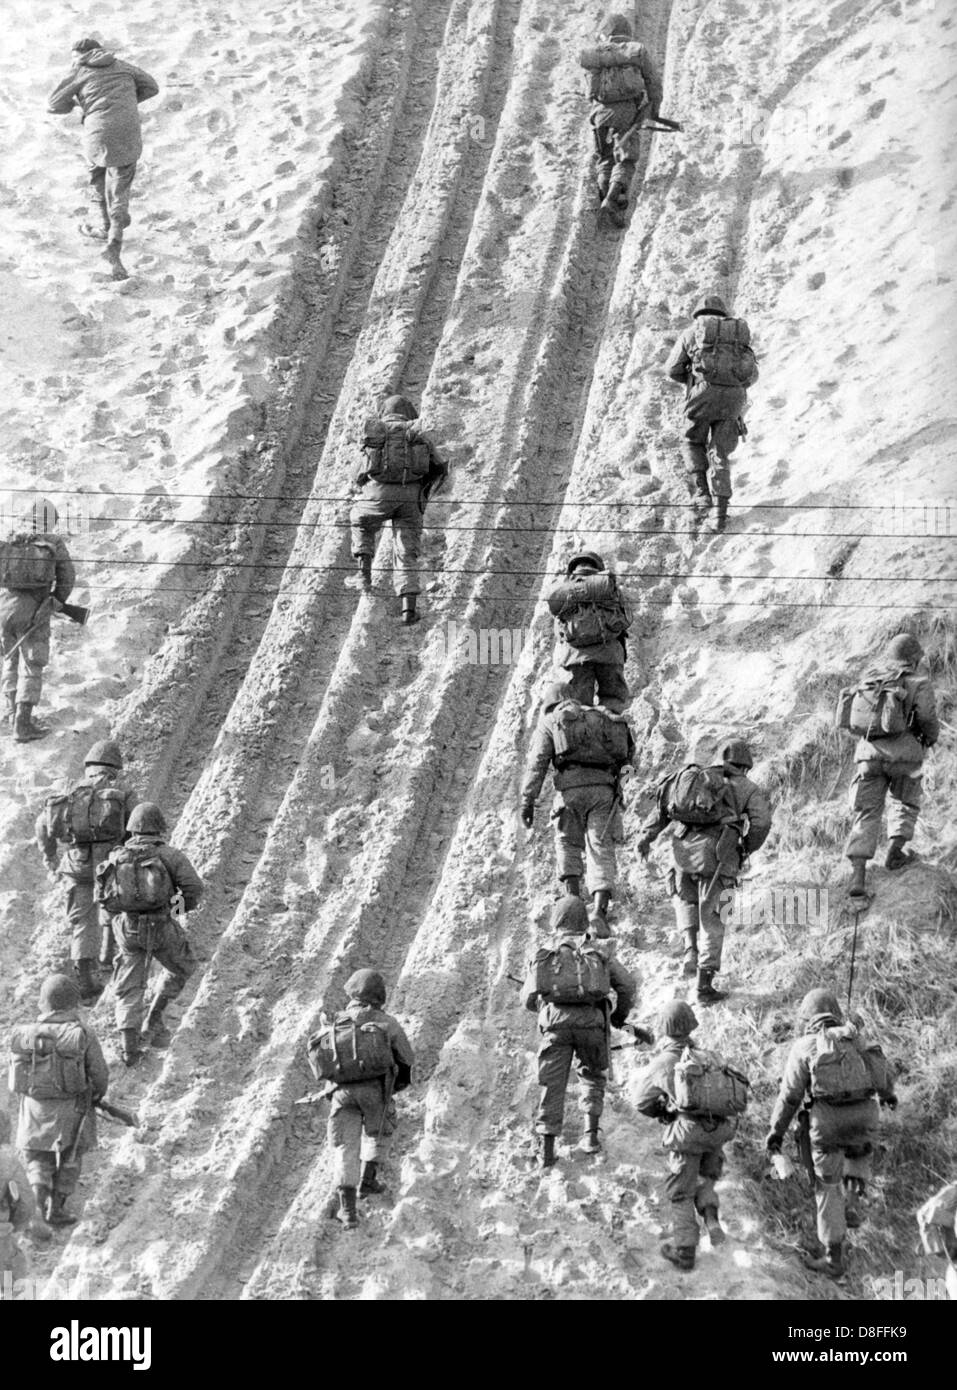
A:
x: 349, y: 789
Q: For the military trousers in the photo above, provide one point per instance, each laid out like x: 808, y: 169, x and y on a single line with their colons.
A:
x: 698, y: 916
x: 601, y: 678
x: 900, y: 785
x: 588, y: 827
x: 84, y: 917
x: 23, y: 669
x: 110, y: 190
x: 711, y: 432
x: 617, y: 144
x: 360, y: 1127
x: 690, y: 1190
x: 47, y: 1168
x: 400, y: 506
x: 139, y: 941
x: 560, y: 1046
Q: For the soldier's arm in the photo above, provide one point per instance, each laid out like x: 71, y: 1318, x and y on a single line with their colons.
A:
x: 62, y: 99
x: 539, y: 760
x: 759, y: 820
x: 652, y: 1098
x: 652, y: 81
x: 925, y: 718
x: 529, y: 991
x: 184, y: 876
x: 626, y: 989
x: 97, y: 1072
x: 402, y: 1053
x: 146, y: 86
x: 794, y: 1085
x: 65, y: 573
x: 679, y: 361
x: 45, y: 841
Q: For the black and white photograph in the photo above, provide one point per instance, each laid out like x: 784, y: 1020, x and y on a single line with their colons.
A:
x: 478, y: 609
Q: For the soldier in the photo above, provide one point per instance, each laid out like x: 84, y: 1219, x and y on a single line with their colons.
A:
x: 18, y: 1212
x: 894, y: 711
x: 835, y: 1074
x: 721, y: 816
x: 362, y: 1116
x: 589, y: 749
x: 35, y: 573
x: 714, y: 362
x: 569, y: 986
x: 624, y: 88
x: 59, y: 1073
x: 137, y: 885
x: 591, y: 620
x: 695, y: 1138
x: 90, y: 820
x: 401, y: 471
x: 108, y: 92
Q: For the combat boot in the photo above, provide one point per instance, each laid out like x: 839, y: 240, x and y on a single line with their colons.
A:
x: 39, y: 1226
x: 830, y: 1263
x: 155, y: 1032
x: 111, y: 255
x: 572, y: 884
x: 615, y: 203
x: 897, y: 856
x: 130, y: 1052
x: 58, y: 1215
x: 347, y: 1208
x: 689, y: 967
x: 700, y: 494
x: 681, y: 1256
x: 24, y: 727
x: 601, y: 900
x: 715, y: 1229
x: 590, y: 1142
x: 409, y: 615
x: 369, y: 1184
x: 365, y: 573
x: 854, y: 1189
x: 90, y: 987
x: 548, y: 1151
x: 856, y: 887
x: 107, y: 946
x: 707, y: 994
x: 720, y: 521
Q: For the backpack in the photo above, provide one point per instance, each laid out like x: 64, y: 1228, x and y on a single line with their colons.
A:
x: 345, y: 1051
x: 721, y: 353
x: 572, y: 975
x: 134, y: 880
x: 27, y: 562
x: 614, y: 73
x: 589, y: 737
x: 393, y: 456
x: 695, y: 796
x: 48, y: 1060
x: 706, y: 1085
x: 877, y: 708
x: 839, y: 1070
x: 590, y: 611
x: 87, y: 815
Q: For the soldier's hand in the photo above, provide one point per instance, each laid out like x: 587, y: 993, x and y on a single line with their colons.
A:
x: 773, y: 1143
x: 889, y: 1102
x: 642, y: 1035
x: 528, y: 816
x: 643, y: 846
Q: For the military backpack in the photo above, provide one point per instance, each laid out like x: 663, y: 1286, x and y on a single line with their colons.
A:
x: 695, y: 796
x: 707, y: 1086
x: 346, y: 1051
x: 721, y: 353
x: 590, y: 611
x: 27, y: 562
x: 48, y: 1060
x: 394, y: 456
x: 134, y: 879
x: 878, y: 708
x: 840, y: 1072
x: 570, y: 974
x: 589, y: 736
x: 87, y: 815
x: 614, y: 72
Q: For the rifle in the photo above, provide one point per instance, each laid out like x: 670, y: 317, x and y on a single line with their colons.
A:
x: 663, y: 125
x: 73, y: 611
x: 719, y: 853
x: 639, y: 1035
x: 804, y: 1143
x: 114, y: 1112
x: 514, y: 979
x: 313, y: 1098
x: 74, y: 1147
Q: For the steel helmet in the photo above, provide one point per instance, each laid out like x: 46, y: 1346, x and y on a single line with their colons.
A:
x: 400, y: 405
x: 904, y: 647
x: 367, y: 986
x: 734, y: 750
x: 616, y: 26
x: 583, y: 558
x: 711, y: 304
x: 676, y: 1020
x: 553, y: 694
x: 146, y: 819
x: 820, y: 1001
x: 58, y: 992
x: 106, y: 753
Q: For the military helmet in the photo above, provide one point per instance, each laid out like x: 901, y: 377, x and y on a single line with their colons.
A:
x: 58, y: 992
x: 820, y: 1001
x: 734, y: 750
x: 400, y: 405
x: 40, y: 516
x: 106, y: 753
x: 146, y: 819
x: 367, y: 986
x: 711, y: 304
x: 676, y: 1020
x: 553, y: 694
x: 87, y: 44
x: 570, y: 915
x: 617, y: 26
x: 904, y: 647
x: 583, y: 558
